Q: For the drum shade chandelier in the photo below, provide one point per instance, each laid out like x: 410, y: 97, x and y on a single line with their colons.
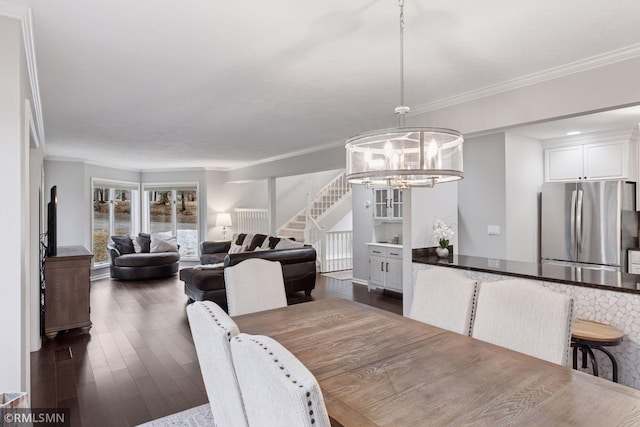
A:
x: 405, y: 156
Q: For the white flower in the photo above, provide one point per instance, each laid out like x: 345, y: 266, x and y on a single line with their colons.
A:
x: 442, y: 231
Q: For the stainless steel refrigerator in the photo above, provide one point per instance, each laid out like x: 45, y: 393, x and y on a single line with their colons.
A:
x: 590, y: 224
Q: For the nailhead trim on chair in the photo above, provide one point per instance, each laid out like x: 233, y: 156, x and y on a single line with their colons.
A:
x: 215, y: 319
x: 473, y: 307
x: 569, y: 337
x: 286, y: 373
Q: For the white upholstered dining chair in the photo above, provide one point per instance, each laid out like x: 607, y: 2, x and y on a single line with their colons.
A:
x: 212, y: 329
x: 254, y: 285
x: 524, y: 316
x: 277, y: 389
x: 444, y: 298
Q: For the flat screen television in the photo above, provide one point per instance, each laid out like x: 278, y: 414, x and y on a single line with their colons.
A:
x: 52, y: 223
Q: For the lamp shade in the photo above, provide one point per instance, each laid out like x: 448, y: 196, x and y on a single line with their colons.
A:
x: 405, y: 157
x: 223, y: 220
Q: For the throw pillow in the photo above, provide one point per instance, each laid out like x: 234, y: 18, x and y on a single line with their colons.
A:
x: 145, y: 242
x: 273, y: 241
x: 163, y: 243
x: 288, y: 244
x: 136, y: 244
x: 240, y: 243
x: 123, y: 244
x: 256, y: 242
x: 265, y: 245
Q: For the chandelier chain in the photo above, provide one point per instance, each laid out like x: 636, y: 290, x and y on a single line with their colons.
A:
x: 402, y: 109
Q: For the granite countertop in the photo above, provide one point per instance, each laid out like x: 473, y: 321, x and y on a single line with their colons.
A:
x: 601, y: 279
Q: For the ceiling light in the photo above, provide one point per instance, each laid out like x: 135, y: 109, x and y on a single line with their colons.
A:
x: 573, y: 132
x: 405, y: 156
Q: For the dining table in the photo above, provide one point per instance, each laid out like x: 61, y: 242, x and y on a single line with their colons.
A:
x: 377, y: 368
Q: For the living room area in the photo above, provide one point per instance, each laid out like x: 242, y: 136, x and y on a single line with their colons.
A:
x: 181, y: 113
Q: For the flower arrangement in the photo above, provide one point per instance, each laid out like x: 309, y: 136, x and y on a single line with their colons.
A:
x: 442, y: 232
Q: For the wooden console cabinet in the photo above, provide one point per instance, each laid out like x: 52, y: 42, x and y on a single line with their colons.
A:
x: 66, y: 294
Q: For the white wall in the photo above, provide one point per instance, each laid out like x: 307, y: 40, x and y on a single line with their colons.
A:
x: 600, y: 88
x: 429, y: 204
x: 73, y: 206
x: 362, y: 231
x: 481, y: 197
x: 225, y: 197
x: 524, y: 170
x: 36, y: 220
x: 422, y: 206
x: 317, y: 161
x: 345, y: 224
x: 16, y: 262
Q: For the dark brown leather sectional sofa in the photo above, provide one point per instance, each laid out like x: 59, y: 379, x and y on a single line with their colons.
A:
x: 298, y: 270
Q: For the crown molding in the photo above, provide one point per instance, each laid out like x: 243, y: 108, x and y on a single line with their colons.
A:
x: 603, y: 136
x: 288, y: 155
x: 618, y: 55
x: 23, y: 14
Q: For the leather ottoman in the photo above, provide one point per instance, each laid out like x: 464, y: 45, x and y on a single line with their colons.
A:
x: 205, y: 285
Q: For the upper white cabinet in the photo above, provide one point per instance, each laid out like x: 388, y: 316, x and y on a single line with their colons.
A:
x: 387, y: 203
x: 590, y: 161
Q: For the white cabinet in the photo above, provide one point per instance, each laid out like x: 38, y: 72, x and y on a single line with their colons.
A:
x: 385, y: 267
x: 387, y: 203
x: 606, y: 160
x: 592, y: 161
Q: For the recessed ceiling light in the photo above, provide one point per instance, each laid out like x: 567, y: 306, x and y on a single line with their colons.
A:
x: 574, y: 132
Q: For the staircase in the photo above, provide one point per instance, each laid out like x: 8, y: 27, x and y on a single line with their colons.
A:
x: 319, y: 206
x: 294, y: 227
x: 324, y: 210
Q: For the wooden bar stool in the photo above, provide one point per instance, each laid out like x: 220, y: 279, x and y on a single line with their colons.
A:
x: 587, y: 335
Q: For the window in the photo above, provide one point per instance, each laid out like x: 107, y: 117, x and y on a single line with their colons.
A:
x: 115, y: 211
x: 172, y: 209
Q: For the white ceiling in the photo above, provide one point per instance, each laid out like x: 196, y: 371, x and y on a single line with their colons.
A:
x: 203, y: 83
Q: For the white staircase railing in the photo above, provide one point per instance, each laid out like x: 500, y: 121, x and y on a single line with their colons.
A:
x: 334, y: 248
x: 336, y: 251
x: 328, y: 196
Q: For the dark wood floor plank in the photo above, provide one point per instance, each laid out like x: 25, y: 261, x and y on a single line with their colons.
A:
x: 91, y: 406
x: 138, y: 362
x: 109, y: 395
x: 135, y: 366
x: 153, y: 397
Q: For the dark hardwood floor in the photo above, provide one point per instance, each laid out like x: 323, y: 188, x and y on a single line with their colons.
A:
x: 138, y: 363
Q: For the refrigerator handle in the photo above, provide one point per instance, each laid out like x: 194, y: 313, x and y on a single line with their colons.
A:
x: 579, y: 221
x: 572, y: 228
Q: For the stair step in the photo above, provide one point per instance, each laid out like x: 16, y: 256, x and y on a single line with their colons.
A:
x: 297, y: 225
x: 292, y: 232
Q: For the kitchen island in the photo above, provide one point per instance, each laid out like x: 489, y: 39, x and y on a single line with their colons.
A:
x: 604, y: 296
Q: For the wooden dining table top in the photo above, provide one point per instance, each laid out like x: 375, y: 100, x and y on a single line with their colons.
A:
x: 377, y: 368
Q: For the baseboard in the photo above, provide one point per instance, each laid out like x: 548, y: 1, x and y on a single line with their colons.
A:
x: 100, y: 276
x: 360, y: 281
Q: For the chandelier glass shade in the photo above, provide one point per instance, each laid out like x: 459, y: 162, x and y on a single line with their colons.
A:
x: 405, y: 156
